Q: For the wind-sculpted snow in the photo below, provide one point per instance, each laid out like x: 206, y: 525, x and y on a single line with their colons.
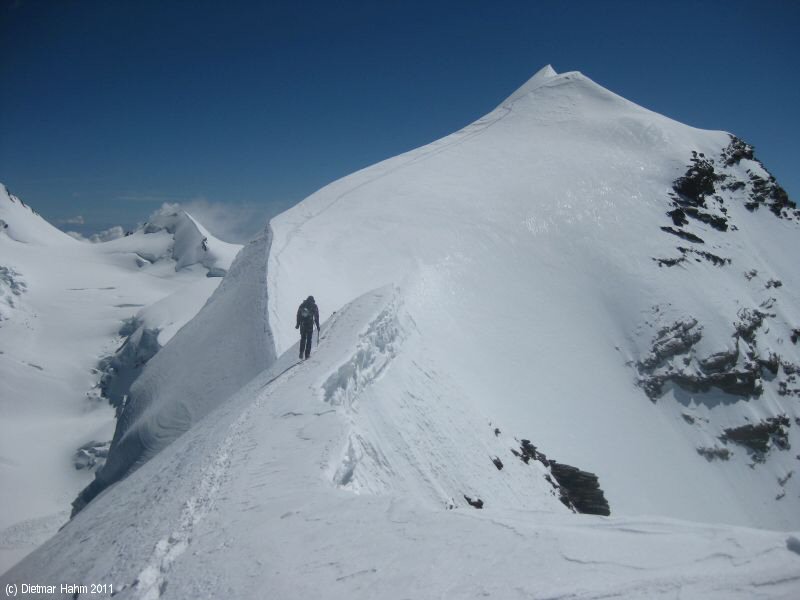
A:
x: 241, y: 506
x: 214, y: 355
x: 376, y: 349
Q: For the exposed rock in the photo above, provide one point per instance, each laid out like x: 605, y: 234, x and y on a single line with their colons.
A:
x: 734, y: 186
x: 771, y: 363
x: 785, y: 390
x: 671, y: 341
x: 720, y: 361
x: 767, y: 192
x: 672, y: 359
x: 738, y: 383
x: 477, y: 502
x: 688, y: 418
x: 749, y: 321
x: 764, y: 191
x: 578, y: 490
x: 581, y: 489
x: 678, y: 217
x: 736, y: 150
x: 698, y: 181
x: 712, y: 258
x: 795, y: 335
x: 498, y: 463
x: 750, y: 274
x: 689, y: 237
x: 768, y: 303
x: 717, y: 261
x: 670, y: 262
x: 757, y: 437
x: 713, y: 453
x: 718, y: 222
x: 774, y: 283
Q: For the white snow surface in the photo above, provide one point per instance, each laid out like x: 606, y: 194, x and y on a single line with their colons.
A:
x: 62, y: 304
x: 529, y: 239
x: 493, y: 286
x: 243, y: 505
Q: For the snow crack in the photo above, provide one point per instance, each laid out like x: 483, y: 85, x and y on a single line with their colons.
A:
x: 374, y: 351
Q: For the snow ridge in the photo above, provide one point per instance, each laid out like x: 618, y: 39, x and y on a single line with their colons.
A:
x: 542, y: 75
x: 22, y: 224
x: 229, y: 342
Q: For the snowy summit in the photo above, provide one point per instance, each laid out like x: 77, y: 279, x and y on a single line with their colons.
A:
x: 558, y: 358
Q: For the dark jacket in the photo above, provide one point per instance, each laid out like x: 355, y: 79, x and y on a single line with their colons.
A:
x: 308, y: 302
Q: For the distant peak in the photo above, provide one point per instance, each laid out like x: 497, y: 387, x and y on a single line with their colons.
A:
x: 541, y: 76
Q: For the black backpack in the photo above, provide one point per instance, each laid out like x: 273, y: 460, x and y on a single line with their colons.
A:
x: 306, y: 314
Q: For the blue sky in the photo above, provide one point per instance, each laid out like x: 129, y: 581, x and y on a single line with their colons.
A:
x: 109, y: 108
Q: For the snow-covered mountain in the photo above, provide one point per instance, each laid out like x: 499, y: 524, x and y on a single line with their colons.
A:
x: 572, y: 305
x: 615, y: 286
x: 77, y: 323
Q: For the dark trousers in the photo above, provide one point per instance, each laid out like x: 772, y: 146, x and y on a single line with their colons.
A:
x: 306, y: 336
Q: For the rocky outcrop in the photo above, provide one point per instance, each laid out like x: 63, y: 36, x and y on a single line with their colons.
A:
x: 698, y: 182
x: 698, y: 255
x: 737, y: 370
x: 714, y: 453
x: 758, y: 438
x: 763, y: 190
x: 750, y: 319
x: 737, y: 150
x: 578, y: 490
x: 474, y: 502
x: 685, y: 235
x: 581, y: 489
x: 697, y: 195
x: 670, y: 341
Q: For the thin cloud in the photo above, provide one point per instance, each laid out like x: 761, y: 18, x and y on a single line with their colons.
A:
x: 235, y: 223
x: 76, y: 220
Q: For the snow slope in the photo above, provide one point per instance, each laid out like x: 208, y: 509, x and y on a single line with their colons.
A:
x: 63, y: 306
x: 241, y: 506
x: 21, y: 223
x: 533, y: 236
